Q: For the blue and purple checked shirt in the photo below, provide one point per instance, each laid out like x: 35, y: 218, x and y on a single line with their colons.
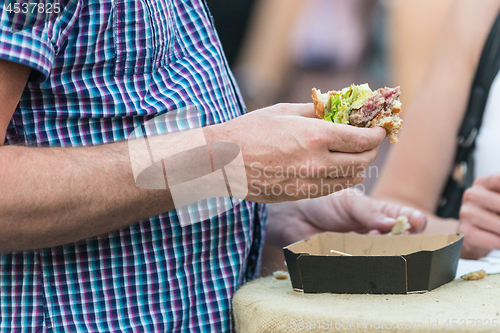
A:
x: 102, y: 68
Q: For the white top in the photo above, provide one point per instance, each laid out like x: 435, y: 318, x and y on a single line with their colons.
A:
x: 487, y: 153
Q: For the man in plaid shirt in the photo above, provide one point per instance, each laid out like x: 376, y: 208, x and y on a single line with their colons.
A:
x: 83, y: 249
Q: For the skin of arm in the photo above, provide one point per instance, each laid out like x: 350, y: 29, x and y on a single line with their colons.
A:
x: 418, y: 166
x: 54, y: 196
x: 265, y: 57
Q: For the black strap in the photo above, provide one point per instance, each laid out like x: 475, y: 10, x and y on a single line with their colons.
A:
x: 462, y: 175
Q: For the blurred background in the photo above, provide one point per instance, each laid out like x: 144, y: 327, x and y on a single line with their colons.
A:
x: 279, y: 50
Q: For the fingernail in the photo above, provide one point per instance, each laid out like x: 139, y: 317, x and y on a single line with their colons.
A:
x: 388, y: 220
x: 418, y: 214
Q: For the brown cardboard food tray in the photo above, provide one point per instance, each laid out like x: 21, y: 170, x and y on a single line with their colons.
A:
x: 378, y: 265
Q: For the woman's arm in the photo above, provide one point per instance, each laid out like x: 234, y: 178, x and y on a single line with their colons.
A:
x: 417, y: 167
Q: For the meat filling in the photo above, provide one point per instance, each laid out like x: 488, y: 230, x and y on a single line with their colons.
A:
x: 382, y: 100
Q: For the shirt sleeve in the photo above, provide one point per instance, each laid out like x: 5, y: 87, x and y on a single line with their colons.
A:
x: 36, y: 46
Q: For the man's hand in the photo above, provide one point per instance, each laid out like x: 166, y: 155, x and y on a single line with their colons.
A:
x: 343, y: 212
x: 480, y: 217
x: 289, y: 154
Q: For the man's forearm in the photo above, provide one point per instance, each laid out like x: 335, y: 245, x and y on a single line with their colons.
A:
x: 54, y: 196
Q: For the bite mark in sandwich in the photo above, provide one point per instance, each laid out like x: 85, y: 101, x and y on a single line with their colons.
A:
x: 359, y: 106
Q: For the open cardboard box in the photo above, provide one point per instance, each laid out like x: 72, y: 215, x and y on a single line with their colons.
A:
x: 378, y: 265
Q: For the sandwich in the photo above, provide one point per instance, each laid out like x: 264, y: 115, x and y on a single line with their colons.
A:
x: 359, y: 106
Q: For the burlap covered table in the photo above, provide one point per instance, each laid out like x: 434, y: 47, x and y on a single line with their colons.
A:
x: 270, y: 305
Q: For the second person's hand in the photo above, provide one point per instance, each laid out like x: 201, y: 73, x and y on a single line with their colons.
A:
x: 347, y: 211
x: 480, y: 217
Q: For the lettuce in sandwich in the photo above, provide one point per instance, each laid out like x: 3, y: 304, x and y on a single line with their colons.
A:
x: 359, y: 106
